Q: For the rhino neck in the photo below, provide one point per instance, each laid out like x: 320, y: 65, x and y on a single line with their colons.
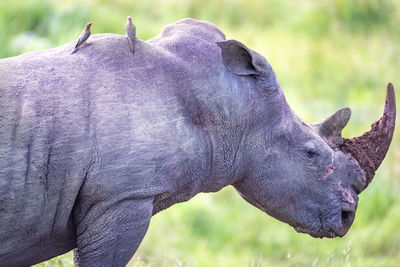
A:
x: 229, y: 118
x: 226, y: 147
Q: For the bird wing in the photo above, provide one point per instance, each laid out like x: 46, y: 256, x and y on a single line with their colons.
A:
x: 82, y: 38
x: 130, y: 31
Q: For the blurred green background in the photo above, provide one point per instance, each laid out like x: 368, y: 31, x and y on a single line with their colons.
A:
x: 327, y: 54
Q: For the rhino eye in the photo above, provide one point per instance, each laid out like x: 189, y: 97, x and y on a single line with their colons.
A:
x: 311, y: 154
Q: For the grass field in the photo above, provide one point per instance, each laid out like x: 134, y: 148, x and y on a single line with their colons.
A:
x: 327, y: 54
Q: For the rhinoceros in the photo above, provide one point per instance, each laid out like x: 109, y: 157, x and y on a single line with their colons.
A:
x: 93, y: 144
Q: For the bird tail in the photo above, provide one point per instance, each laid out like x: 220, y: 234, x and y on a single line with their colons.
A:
x: 131, y: 45
x: 75, y: 49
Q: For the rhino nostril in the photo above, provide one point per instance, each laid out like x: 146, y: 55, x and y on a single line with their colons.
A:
x: 347, y: 217
x: 355, y: 189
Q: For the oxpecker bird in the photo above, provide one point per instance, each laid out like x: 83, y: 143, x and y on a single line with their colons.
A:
x: 83, y: 37
x: 130, y: 32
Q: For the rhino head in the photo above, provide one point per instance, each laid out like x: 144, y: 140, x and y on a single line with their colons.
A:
x: 308, y: 176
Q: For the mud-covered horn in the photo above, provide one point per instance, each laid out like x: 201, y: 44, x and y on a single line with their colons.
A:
x: 370, y: 148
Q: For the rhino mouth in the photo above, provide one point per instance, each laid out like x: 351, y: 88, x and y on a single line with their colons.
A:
x: 336, y: 226
x: 317, y: 234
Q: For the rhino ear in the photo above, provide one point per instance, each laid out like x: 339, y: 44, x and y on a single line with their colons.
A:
x: 331, y: 128
x: 240, y: 60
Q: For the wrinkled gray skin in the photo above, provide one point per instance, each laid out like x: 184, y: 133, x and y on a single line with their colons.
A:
x: 93, y: 144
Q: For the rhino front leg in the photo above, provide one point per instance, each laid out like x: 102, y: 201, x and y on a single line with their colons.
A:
x: 109, y: 236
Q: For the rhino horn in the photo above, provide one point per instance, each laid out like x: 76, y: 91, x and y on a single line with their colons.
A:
x: 370, y: 148
x: 331, y: 128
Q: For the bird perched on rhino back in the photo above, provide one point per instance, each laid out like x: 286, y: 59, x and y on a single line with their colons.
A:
x: 83, y: 37
x: 130, y: 33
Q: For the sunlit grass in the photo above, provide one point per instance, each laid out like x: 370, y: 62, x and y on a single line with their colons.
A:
x: 327, y: 55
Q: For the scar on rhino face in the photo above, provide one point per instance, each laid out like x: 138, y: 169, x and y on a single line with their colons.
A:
x: 346, y: 194
x: 328, y: 171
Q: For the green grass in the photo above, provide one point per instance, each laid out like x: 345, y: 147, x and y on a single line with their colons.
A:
x: 327, y: 54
